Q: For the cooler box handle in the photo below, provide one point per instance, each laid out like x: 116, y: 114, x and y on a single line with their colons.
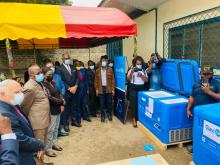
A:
x: 157, y: 126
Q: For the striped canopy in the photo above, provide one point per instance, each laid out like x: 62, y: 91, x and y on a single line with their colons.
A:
x: 51, y: 26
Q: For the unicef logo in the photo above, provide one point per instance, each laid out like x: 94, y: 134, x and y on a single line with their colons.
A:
x: 217, y: 132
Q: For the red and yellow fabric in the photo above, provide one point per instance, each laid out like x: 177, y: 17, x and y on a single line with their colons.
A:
x: 47, y: 26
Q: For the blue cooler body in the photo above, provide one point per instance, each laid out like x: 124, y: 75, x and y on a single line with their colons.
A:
x: 165, y: 116
x: 163, y: 112
x: 206, y: 135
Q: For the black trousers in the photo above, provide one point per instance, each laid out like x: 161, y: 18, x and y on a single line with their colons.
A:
x: 92, y: 101
x: 133, y: 97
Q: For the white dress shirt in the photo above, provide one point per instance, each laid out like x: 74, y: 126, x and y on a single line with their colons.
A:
x: 68, y: 68
x: 8, y: 136
x: 135, y: 79
x: 103, y: 75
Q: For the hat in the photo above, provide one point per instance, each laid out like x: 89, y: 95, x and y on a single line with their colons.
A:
x: 207, y: 69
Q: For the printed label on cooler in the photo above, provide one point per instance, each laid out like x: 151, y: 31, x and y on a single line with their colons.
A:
x: 211, y: 131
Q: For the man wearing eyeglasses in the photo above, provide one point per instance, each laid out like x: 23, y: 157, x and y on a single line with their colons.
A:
x: 206, y: 91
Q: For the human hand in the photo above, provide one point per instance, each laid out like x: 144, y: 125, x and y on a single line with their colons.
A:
x: 97, y: 92
x: 132, y: 70
x: 189, y: 113
x: 5, y: 125
x: 113, y: 92
x: 140, y: 74
x: 73, y: 89
x: 206, y: 89
x: 40, y: 155
x: 61, y: 109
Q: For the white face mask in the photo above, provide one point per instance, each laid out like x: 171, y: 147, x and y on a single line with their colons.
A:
x: 67, y: 62
x: 110, y: 65
x: 104, y: 63
x: 139, y: 66
x: 18, y: 99
x: 92, y: 67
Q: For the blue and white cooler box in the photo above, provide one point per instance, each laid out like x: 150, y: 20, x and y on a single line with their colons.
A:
x: 164, y: 114
x: 206, y: 135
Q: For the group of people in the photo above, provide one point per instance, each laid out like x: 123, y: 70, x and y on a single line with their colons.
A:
x: 52, y: 97
x: 32, y: 117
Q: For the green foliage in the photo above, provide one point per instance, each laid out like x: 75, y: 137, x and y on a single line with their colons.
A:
x: 53, y: 2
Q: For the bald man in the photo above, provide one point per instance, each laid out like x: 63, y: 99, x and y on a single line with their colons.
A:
x: 11, y: 97
x: 36, y: 103
x: 70, y: 79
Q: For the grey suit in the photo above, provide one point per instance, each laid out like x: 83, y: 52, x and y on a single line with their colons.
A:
x: 9, y: 152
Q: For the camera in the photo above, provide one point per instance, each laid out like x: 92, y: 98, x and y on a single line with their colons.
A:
x: 137, y: 69
x: 205, y: 82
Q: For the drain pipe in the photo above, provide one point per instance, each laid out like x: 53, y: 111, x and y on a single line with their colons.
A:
x: 156, y: 16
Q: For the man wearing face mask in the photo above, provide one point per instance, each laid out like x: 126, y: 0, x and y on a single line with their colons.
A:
x: 105, y: 88
x: 70, y: 79
x: 11, y: 97
x: 56, y: 107
x: 36, y: 103
x: 60, y: 85
x: 92, y: 92
x: 111, y: 64
x: 206, y: 91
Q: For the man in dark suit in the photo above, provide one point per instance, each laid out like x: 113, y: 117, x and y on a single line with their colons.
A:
x: 9, y: 144
x: 11, y: 97
x: 70, y: 79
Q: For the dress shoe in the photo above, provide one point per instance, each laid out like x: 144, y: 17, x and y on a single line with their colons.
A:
x: 76, y: 125
x: 102, y: 119
x: 57, y: 148
x: 66, y: 129
x: 109, y: 118
x: 50, y: 153
x: 63, y: 134
x: 88, y: 119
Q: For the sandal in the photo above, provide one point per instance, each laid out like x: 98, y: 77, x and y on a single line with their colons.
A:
x: 50, y: 154
x: 57, y: 148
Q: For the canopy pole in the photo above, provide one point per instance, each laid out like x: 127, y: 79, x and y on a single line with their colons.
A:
x: 135, y: 46
x: 10, y: 58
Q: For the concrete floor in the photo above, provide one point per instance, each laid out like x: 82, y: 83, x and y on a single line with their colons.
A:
x: 98, y: 142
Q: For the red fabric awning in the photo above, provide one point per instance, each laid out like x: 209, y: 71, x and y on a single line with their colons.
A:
x: 51, y: 26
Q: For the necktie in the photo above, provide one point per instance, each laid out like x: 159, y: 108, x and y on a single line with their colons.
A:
x: 68, y: 66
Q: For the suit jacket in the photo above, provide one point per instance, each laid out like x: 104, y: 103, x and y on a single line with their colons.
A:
x: 9, y: 152
x: 21, y: 126
x: 110, y: 80
x: 91, y: 78
x: 36, y: 104
x: 69, y: 80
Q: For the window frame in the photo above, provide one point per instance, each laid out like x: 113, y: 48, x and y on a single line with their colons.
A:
x: 199, y: 24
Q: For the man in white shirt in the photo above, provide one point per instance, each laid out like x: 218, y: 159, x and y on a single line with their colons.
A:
x: 9, y: 144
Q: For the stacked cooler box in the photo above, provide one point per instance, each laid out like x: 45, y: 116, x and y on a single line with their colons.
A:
x: 163, y: 112
x: 206, y: 135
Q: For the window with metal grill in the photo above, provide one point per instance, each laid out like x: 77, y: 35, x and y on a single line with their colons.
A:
x: 198, y: 41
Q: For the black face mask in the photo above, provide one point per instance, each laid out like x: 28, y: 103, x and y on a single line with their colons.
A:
x: 49, y: 78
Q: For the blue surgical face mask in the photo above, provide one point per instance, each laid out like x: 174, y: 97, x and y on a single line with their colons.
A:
x: 110, y: 65
x: 53, y: 69
x: 139, y: 66
x: 67, y: 62
x: 104, y: 64
x: 92, y: 67
x: 39, y: 78
x: 18, y: 99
